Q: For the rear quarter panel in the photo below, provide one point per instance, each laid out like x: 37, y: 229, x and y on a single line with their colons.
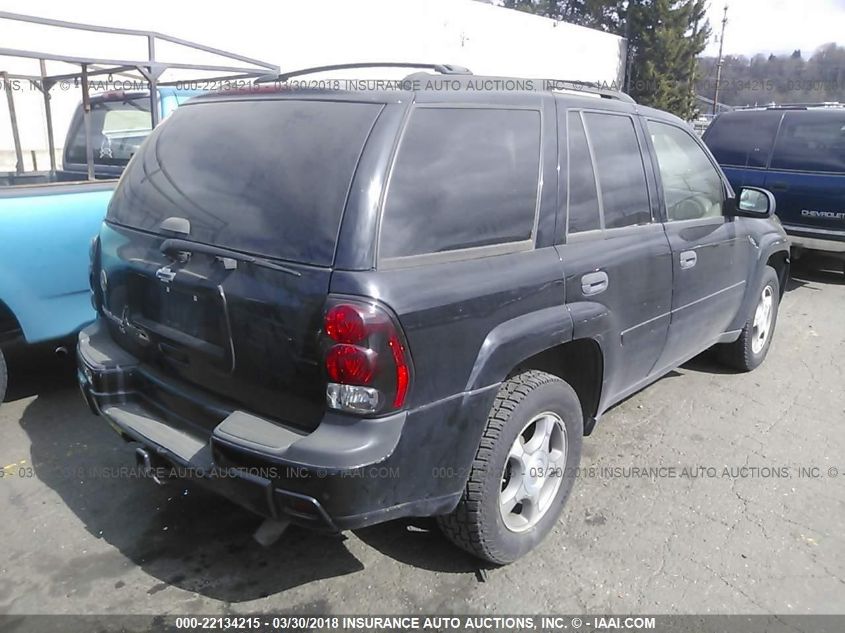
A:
x: 455, y: 315
x: 468, y: 324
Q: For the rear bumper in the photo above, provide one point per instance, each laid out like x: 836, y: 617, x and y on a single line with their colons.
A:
x: 347, y: 473
x: 825, y: 240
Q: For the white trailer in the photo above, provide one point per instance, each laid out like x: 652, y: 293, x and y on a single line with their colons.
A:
x: 487, y: 39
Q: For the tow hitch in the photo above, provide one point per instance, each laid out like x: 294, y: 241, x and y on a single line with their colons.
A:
x: 151, y: 466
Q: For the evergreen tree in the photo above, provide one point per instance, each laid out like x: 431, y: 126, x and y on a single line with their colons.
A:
x: 664, y: 39
x: 666, y: 36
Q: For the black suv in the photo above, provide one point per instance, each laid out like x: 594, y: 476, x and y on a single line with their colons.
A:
x: 343, y: 307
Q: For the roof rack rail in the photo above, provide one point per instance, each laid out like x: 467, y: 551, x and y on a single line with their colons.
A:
x: 443, y: 69
x: 819, y: 104
x: 792, y: 106
x: 588, y: 87
x: 452, y: 69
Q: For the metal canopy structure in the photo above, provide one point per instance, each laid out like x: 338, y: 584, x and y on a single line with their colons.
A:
x: 147, y: 70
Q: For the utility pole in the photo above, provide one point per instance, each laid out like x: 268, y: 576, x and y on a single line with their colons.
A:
x: 693, y: 63
x: 721, y: 61
x: 628, y: 47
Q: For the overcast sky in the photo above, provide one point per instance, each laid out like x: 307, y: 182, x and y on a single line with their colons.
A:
x: 764, y: 26
x: 777, y: 26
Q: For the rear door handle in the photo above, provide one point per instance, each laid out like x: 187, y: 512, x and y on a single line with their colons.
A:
x: 780, y: 186
x: 688, y: 259
x: 594, y: 283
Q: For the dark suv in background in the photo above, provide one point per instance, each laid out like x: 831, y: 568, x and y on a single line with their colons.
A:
x: 798, y: 153
x: 339, y: 308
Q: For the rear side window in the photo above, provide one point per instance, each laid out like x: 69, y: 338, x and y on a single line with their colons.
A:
x: 622, y: 180
x: 463, y: 178
x: 811, y: 141
x: 743, y: 139
x: 117, y: 130
x: 264, y: 177
x: 583, y: 200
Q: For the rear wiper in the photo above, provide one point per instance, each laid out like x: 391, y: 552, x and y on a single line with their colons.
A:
x: 227, y: 256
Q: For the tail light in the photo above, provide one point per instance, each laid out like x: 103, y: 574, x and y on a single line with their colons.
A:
x: 366, y: 358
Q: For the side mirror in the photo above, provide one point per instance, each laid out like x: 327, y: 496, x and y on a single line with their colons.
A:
x: 753, y: 202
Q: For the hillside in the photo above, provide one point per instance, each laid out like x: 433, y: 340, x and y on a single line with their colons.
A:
x: 780, y: 79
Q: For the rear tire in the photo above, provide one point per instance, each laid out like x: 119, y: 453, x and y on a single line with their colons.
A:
x: 752, y: 346
x: 523, y: 471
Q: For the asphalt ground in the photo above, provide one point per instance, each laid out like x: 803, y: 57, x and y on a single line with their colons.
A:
x: 740, y: 509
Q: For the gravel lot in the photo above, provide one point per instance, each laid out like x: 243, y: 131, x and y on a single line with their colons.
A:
x: 764, y: 539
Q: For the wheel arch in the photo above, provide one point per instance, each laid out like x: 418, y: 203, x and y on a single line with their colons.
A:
x: 580, y: 363
x: 10, y: 327
x: 564, y: 341
x: 780, y: 261
x: 775, y: 256
x: 512, y: 341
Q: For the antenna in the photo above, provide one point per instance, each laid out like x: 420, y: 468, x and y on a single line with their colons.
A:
x: 721, y: 62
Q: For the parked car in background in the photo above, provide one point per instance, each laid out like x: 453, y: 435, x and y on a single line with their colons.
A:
x: 414, y: 303
x: 798, y: 153
x: 48, y: 220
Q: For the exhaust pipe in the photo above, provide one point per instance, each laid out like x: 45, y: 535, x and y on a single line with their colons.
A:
x: 145, y: 463
x: 270, y: 531
x: 61, y: 351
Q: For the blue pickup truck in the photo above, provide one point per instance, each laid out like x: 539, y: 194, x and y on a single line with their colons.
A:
x: 48, y: 219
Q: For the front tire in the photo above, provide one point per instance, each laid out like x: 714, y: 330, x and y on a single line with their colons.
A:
x: 752, y: 346
x: 523, y: 470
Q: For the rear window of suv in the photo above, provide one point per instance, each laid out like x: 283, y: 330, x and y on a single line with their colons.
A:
x: 462, y: 178
x: 264, y: 177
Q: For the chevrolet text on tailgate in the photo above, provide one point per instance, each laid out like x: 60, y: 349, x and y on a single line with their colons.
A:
x: 436, y: 292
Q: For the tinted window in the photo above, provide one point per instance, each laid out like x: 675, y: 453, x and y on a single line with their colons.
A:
x: 583, y: 201
x: 811, y: 141
x: 265, y: 177
x: 462, y: 178
x: 743, y: 139
x: 117, y: 130
x: 692, y: 187
x: 624, y: 192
